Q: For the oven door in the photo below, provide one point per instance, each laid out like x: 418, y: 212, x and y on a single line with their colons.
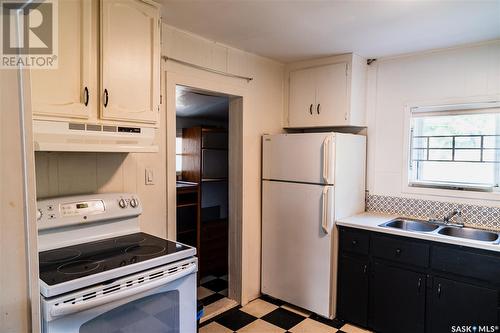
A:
x: 161, y: 300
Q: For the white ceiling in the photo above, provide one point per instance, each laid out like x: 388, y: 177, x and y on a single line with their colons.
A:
x: 288, y: 30
x: 193, y: 104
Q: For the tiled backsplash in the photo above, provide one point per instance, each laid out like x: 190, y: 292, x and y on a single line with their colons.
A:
x: 483, y: 217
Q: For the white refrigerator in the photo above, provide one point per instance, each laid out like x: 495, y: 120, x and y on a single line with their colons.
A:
x: 308, y: 181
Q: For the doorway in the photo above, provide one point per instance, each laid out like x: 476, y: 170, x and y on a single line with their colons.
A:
x: 202, y: 191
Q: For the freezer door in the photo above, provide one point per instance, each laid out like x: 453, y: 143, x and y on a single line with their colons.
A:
x: 297, y: 226
x: 307, y: 158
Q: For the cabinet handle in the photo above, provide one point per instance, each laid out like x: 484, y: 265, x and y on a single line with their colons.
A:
x: 86, y: 96
x: 106, y: 97
x: 311, y: 109
x: 317, y: 108
x: 419, y: 284
x: 365, y: 269
x: 354, y: 242
x: 439, y: 290
x: 398, y: 252
x: 345, y: 116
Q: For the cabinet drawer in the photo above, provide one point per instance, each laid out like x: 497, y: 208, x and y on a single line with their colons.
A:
x: 354, y: 241
x: 466, y: 263
x: 401, y: 250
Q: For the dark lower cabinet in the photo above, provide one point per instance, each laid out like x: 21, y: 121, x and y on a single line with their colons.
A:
x: 454, y: 303
x: 397, y: 300
x: 214, y: 245
x: 353, y: 297
x: 394, y: 284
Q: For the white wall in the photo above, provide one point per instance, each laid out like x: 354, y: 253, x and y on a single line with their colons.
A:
x: 451, y: 74
x: 262, y: 113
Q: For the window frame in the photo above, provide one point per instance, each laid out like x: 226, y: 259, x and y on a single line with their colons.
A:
x: 440, y: 190
x: 178, y: 172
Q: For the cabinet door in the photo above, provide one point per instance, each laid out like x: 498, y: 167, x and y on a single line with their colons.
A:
x: 331, y: 96
x: 353, y: 290
x: 69, y: 91
x: 397, y: 300
x: 455, y: 303
x: 302, y: 99
x: 130, y: 58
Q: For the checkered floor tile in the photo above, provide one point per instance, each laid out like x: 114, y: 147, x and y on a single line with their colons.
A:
x: 212, y: 293
x: 212, y: 289
x: 274, y: 316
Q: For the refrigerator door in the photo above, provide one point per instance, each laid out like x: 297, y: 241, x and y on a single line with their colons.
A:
x: 297, y: 227
x: 307, y: 158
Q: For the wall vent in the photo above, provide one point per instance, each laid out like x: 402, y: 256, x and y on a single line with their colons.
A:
x: 76, y: 127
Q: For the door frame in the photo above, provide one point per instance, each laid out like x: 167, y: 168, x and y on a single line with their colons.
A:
x: 237, y: 101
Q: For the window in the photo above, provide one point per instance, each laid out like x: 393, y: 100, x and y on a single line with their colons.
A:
x: 178, y: 155
x: 455, y: 147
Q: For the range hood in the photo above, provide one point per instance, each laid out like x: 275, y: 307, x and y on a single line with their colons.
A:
x: 83, y: 137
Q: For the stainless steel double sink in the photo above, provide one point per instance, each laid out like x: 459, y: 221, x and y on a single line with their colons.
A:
x: 456, y: 232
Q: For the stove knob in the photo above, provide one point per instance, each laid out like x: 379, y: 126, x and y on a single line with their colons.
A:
x: 134, y: 203
x: 122, y: 203
x: 39, y: 214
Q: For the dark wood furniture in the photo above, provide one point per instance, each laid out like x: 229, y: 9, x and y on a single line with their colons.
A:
x: 188, y: 213
x: 214, y: 245
x: 205, y: 161
x: 394, y: 284
x: 204, y: 154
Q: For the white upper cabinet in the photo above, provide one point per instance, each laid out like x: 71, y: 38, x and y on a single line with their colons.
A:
x: 130, y: 60
x: 328, y: 95
x: 68, y: 90
x: 112, y: 42
x: 302, y: 95
x: 331, y: 95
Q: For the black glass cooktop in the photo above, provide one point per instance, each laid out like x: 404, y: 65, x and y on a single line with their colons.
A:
x: 73, y: 262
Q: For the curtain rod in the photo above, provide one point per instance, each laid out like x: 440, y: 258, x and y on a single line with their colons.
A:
x: 165, y: 58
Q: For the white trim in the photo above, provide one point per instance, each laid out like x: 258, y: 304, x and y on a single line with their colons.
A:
x: 439, y: 192
x: 206, y: 81
x: 456, y: 107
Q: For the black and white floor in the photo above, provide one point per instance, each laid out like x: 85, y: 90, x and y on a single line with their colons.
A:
x: 267, y: 315
x: 212, y: 293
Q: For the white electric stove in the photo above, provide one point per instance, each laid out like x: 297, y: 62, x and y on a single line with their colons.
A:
x: 99, y: 273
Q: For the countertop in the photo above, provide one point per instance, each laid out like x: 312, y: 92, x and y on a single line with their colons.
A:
x: 371, y: 221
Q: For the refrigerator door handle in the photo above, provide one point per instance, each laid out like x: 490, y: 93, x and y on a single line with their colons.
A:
x: 324, y: 213
x: 326, y: 159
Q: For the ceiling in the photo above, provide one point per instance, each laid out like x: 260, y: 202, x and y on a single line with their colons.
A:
x: 288, y: 30
x: 193, y: 104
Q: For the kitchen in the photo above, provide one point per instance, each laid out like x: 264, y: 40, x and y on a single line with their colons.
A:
x: 408, y: 80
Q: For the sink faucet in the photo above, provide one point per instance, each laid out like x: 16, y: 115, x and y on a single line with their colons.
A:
x: 447, y: 219
x: 460, y: 219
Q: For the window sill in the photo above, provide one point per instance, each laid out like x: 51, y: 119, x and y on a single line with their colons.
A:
x: 452, y: 187
x: 442, y: 192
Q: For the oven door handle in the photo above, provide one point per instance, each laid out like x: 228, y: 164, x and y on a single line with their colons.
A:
x: 69, y: 308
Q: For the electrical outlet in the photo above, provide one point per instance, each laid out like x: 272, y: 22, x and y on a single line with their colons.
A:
x: 149, y: 177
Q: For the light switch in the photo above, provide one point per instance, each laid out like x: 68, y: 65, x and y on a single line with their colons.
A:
x: 149, y: 177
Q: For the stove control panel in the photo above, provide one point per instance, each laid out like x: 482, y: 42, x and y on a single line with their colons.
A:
x: 65, y: 211
x: 82, y: 208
